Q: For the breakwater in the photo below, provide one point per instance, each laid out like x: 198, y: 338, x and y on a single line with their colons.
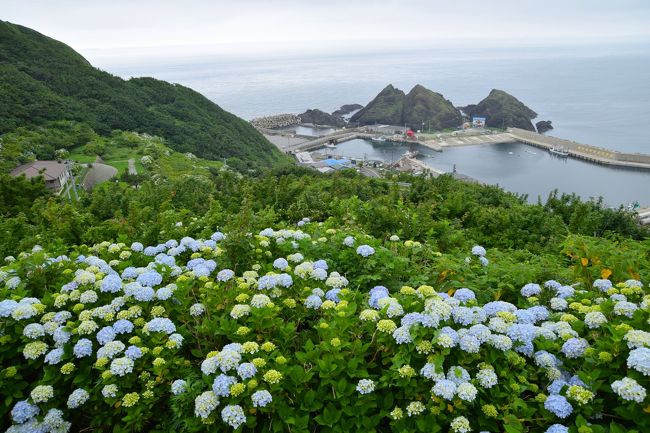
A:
x: 583, y: 151
x: 276, y: 121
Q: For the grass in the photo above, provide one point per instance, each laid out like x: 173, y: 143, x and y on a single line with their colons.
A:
x: 171, y: 166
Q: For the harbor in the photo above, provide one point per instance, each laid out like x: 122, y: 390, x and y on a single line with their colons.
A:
x: 517, y: 160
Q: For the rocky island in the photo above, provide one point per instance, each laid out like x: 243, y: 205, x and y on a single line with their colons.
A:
x: 319, y: 117
x: 420, y: 108
x: 502, y: 110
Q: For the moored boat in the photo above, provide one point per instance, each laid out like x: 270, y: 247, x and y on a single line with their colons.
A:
x: 559, y: 151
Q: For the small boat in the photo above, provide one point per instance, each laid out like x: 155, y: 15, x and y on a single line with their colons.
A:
x: 378, y: 139
x: 329, y: 145
x: 559, y: 151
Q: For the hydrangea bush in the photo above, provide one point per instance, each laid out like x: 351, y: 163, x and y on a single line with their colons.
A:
x: 164, y: 337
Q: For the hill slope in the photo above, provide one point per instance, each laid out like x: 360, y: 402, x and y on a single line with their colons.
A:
x: 420, y: 106
x: 502, y: 110
x: 45, y: 80
x: 427, y: 109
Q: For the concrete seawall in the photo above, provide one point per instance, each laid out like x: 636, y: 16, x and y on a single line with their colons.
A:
x: 586, y: 152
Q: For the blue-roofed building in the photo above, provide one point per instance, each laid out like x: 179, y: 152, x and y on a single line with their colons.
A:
x: 337, y: 163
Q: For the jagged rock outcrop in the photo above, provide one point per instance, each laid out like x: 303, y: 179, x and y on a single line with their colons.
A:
x: 318, y: 117
x: 502, y: 110
x: 543, y: 126
x: 347, y: 109
x: 419, y: 108
x: 425, y: 109
x: 387, y: 107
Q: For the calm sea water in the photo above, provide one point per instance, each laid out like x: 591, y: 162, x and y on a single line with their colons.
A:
x: 598, y: 95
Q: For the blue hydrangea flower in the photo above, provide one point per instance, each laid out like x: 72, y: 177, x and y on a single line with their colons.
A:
x: 565, y: 292
x: 106, y: 334
x: 123, y: 326
x: 23, y: 411
x: 552, y: 284
x: 402, y: 335
x: 556, y: 386
x: 7, y: 307
x: 61, y: 336
x: 246, y: 370
x: 444, y: 388
x: 558, y: 405
x: 470, y: 344
x: 261, y: 398
x: 365, y: 250
x: 149, y: 278
x: 121, y: 366
x: 284, y: 280
x: 176, y: 338
x: 217, y: 236
x: 225, y: 275
x: 458, y: 375
x: 557, y: 428
x: 133, y: 352
x: 54, y: 356
x: 221, y: 385
x: 313, y: 302
x: 164, y: 293
x: 280, y: 263
x: 137, y: 247
x: 267, y: 282
x: 205, y: 403
x: 464, y: 295
x: 332, y: 295
x: 574, y: 347
x: 365, y: 386
x: 639, y: 360
x: 320, y: 264
x: 161, y: 324
x: 144, y: 293
x: 179, y: 386
x: 111, y: 283
x: 129, y: 273
x: 165, y: 259
x: 34, y: 330
x: 233, y: 415
x: 377, y: 293
x: 348, y: 241
x: 602, y: 285
x: 478, y: 250
x: 83, y: 348
x: 531, y: 289
x: 77, y: 398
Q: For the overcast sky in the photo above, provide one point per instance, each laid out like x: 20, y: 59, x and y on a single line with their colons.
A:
x: 101, y: 24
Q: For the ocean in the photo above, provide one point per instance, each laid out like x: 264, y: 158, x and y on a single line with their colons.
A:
x: 594, y: 94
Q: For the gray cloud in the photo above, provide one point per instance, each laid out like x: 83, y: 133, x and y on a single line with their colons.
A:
x: 148, y: 23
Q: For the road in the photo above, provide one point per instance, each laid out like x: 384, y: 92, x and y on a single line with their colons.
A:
x: 132, y: 170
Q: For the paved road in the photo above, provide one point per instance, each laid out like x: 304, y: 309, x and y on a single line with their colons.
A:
x: 97, y: 174
x: 132, y: 169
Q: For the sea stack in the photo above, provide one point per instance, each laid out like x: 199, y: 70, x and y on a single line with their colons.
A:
x: 502, y: 110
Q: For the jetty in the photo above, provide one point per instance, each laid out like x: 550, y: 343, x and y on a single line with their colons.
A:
x: 644, y: 216
x: 586, y: 152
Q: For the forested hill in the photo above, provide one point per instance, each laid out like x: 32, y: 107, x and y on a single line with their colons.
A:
x: 43, y: 80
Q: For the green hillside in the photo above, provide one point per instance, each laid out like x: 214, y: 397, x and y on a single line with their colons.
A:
x: 44, y: 80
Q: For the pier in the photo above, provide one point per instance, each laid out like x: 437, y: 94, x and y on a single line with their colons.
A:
x: 586, y: 152
x: 644, y: 216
